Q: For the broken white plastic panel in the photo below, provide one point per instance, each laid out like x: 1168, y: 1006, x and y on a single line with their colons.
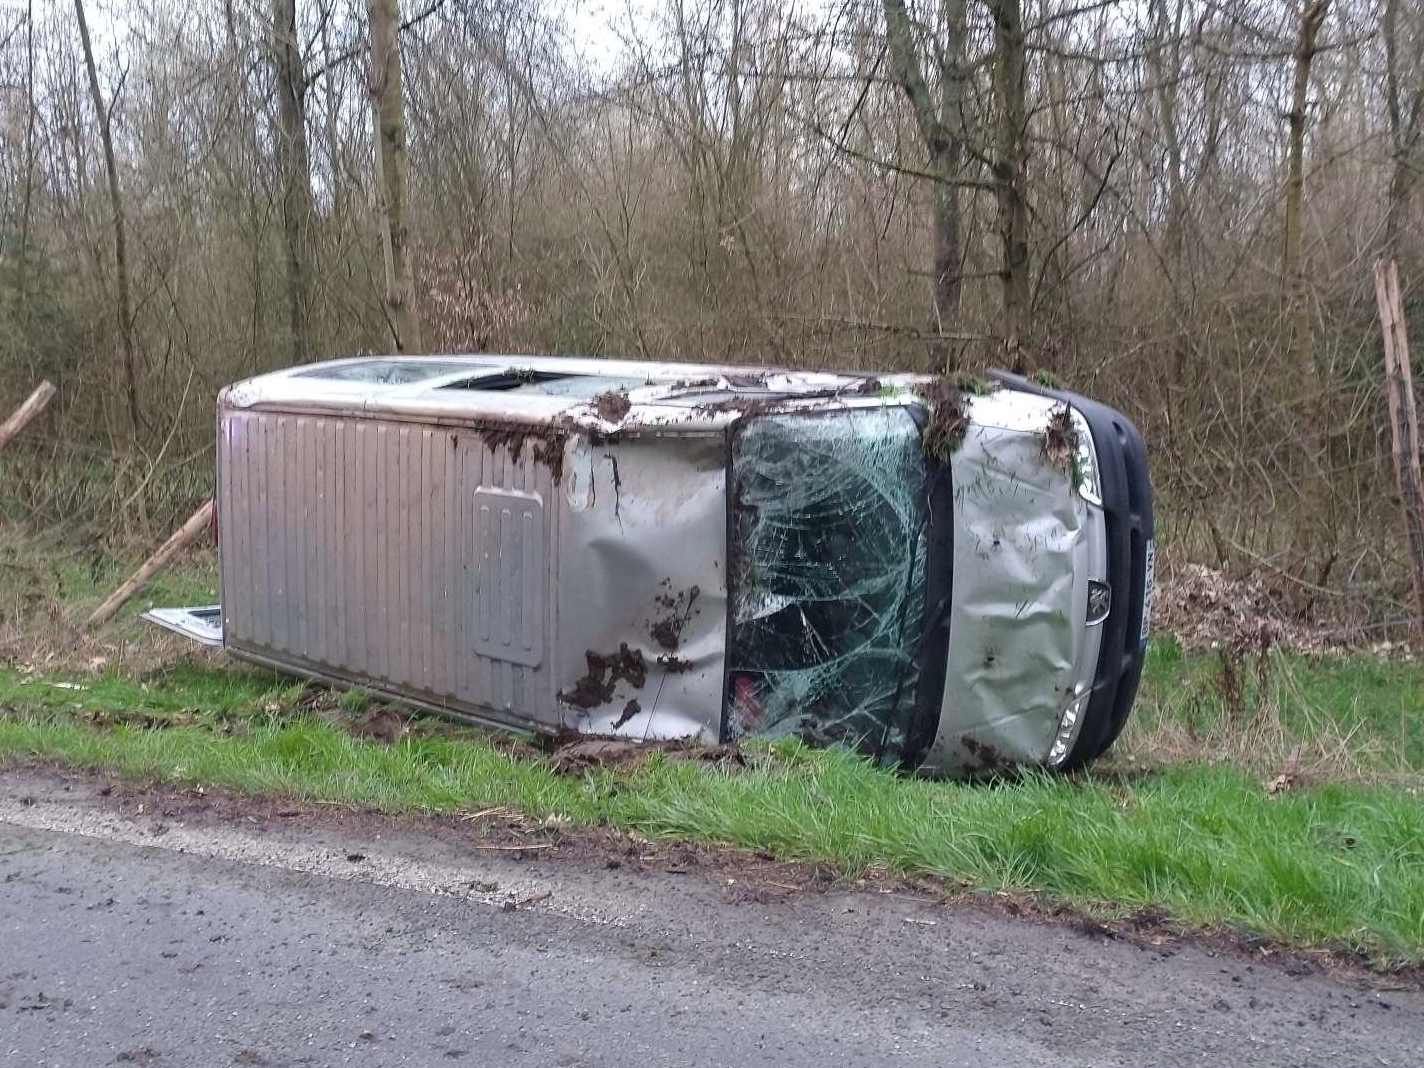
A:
x: 202, y: 624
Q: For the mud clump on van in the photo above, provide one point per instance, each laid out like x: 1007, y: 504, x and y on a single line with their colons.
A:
x: 605, y: 671
x: 1060, y: 439
x: 612, y: 406
x: 548, y: 444
x: 988, y: 758
x: 631, y: 709
x: 949, y: 419
x: 667, y: 632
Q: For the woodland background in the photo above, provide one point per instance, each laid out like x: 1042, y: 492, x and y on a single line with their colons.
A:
x: 1172, y: 205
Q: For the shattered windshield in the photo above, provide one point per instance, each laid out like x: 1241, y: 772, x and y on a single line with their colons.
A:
x: 828, y: 577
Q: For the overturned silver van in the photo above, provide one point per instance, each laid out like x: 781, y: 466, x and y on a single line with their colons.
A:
x: 949, y: 581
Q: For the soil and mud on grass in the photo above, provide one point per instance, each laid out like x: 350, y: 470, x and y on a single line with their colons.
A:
x: 1261, y: 794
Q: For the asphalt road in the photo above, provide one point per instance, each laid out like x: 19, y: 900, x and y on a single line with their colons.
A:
x: 134, y: 937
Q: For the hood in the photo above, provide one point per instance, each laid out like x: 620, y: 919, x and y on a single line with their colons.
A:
x: 1023, y: 544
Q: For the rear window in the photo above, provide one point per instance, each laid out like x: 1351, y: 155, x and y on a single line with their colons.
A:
x: 387, y: 372
x: 549, y: 383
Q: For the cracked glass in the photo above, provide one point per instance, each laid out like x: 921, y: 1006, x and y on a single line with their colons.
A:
x: 828, y: 577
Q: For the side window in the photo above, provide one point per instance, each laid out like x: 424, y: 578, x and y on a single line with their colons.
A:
x: 828, y: 556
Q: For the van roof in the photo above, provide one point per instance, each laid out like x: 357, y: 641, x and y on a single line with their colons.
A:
x: 537, y: 389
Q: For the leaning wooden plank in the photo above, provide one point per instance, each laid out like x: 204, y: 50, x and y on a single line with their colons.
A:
x: 25, y: 412
x: 1404, y: 425
x: 181, y: 539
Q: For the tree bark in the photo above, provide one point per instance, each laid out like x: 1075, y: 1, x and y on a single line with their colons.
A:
x: 941, y: 127
x: 1404, y: 426
x: 1313, y: 482
x: 122, y: 304
x: 388, y: 109
x: 34, y: 404
x: 294, y: 163
x: 1010, y: 162
x: 1404, y: 113
x: 27, y: 191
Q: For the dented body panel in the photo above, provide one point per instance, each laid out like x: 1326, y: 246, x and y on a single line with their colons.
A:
x: 661, y: 551
x: 1026, y: 544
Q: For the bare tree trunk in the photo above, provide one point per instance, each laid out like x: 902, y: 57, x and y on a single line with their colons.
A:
x: 1312, y: 486
x: 1167, y: 38
x: 942, y: 130
x: 1010, y: 161
x: 388, y: 108
x: 122, y: 305
x: 27, y: 193
x: 295, y: 166
x: 1404, y: 113
x: 1404, y: 426
x: 331, y: 107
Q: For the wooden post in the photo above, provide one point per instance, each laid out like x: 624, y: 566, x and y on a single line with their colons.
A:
x: 25, y: 412
x: 180, y: 540
x: 1403, y: 424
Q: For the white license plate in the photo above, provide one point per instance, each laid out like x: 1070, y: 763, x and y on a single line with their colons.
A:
x: 1147, y: 591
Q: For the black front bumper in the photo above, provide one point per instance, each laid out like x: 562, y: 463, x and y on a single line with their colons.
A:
x: 1127, y: 510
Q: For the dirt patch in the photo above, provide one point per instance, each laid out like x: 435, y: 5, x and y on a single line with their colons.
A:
x: 547, y: 442
x: 572, y: 753
x: 612, y: 406
x: 549, y: 452
x: 631, y: 709
x: 680, y: 608
x: 1060, y: 439
x: 986, y: 757
x: 745, y: 405
x: 949, y: 419
x: 665, y: 632
x: 1207, y: 610
x: 605, y: 671
x: 382, y: 725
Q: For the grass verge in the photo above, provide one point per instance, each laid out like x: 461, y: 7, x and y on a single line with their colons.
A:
x: 1335, y: 860
x: 1353, y: 717
x: 1325, y: 866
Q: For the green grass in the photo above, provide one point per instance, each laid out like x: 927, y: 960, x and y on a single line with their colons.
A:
x: 39, y: 575
x: 186, y: 691
x: 1336, y: 859
x: 1330, y: 864
x: 1351, y: 716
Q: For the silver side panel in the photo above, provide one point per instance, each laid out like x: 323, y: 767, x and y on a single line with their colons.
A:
x: 643, y: 547
x: 404, y: 557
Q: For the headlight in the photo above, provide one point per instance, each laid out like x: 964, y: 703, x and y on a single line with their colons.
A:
x: 1068, y: 728
x: 1085, y: 462
x: 1099, y: 601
